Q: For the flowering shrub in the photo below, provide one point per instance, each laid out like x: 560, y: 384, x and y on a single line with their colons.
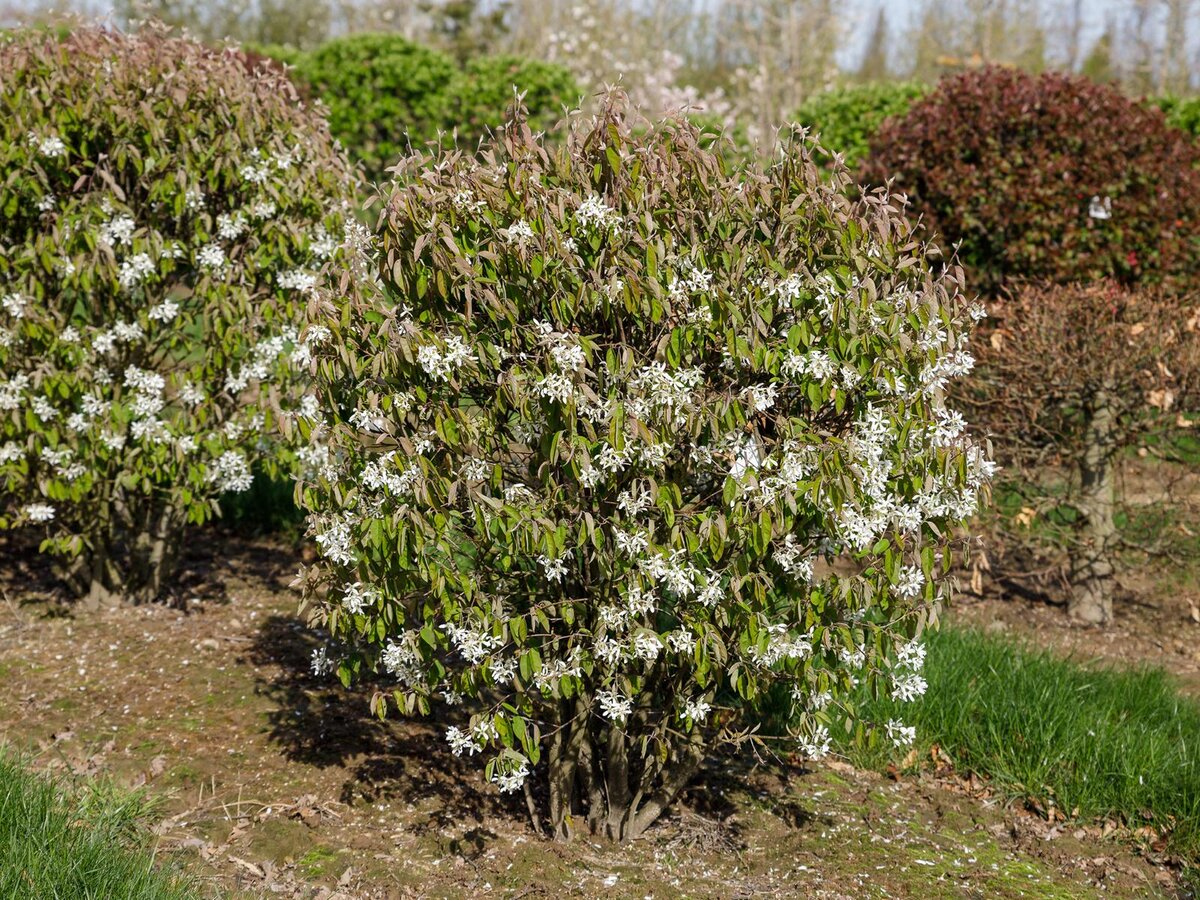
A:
x: 167, y: 216
x: 1072, y: 378
x: 637, y: 440
x: 1048, y: 177
x: 844, y: 119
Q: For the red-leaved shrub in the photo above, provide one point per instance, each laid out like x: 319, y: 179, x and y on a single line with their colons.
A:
x: 1050, y: 177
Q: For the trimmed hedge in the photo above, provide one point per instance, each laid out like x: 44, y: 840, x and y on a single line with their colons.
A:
x: 386, y: 94
x: 1181, y: 112
x: 846, y: 118
x: 1049, y: 177
x: 484, y: 91
x: 383, y: 93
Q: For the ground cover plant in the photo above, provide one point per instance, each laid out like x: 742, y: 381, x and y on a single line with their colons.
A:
x: 59, y: 839
x: 1084, y: 742
x: 168, y: 212
x: 1046, y: 178
x: 633, y: 443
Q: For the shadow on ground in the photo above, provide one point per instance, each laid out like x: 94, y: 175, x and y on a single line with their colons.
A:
x: 317, y: 722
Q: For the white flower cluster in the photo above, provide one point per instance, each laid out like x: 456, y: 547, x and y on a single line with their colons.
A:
x: 357, y: 598
x: 907, y: 681
x: 401, y: 659
x: 899, y: 734
x: 117, y: 231
x: 656, y: 391
x: 39, y: 512
x: 334, y: 543
x: 781, y: 645
x: 816, y: 743
x: 513, y: 779
x: 391, y: 474
x: 230, y: 472
x: 695, y: 709
x: 440, y: 362
x: 298, y: 280
x: 14, y: 305
x: 51, y: 146
x: 553, y: 569
x: 594, y: 214
x: 472, y: 644
x: 614, y: 706
x: 519, y: 234
x: 793, y: 560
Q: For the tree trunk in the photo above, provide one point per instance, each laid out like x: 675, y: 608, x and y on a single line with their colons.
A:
x: 1091, y: 563
x: 594, y: 778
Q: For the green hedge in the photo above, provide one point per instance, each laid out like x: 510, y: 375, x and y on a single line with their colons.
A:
x: 847, y: 117
x: 1181, y: 112
x: 385, y: 93
x: 484, y: 91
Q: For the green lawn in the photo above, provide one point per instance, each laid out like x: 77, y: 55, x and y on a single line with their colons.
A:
x: 1094, y: 742
x: 76, y: 842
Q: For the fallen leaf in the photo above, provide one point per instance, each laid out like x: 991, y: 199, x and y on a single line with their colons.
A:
x: 1162, y: 399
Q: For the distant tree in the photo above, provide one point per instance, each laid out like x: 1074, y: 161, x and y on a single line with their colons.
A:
x: 874, y: 65
x: 1098, y: 65
x: 465, y: 31
x: 298, y: 23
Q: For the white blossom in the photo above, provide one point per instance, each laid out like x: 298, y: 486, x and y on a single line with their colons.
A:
x: 594, y: 213
x: 357, y: 598
x: 816, y: 744
x: 696, y: 709
x: 52, y: 147
x: 230, y: 472
x: 39, y: 512
x: 135, y: 270
x: 554, y: 569
x: 901, y: 735
x: 164, y: 312
x: 117, y: 231
x: 614, y: 706
x: 298, y: 280
x: 231, y: 226
x: 212, y: 257
x: 14, y: 304
x: 519, y: 234
x: 511, y: 780
x: 471, y: 643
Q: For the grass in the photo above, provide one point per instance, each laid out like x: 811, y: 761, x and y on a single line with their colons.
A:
x: 1095, y: 743
x: 76, y: 842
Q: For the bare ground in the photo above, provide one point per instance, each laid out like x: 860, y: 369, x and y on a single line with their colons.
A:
x: 274, y: 783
